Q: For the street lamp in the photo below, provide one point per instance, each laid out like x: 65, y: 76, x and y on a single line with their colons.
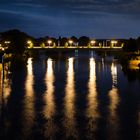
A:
x: 114, y: 42
x: 7, y: 44
x: 70, y: 42
x: 49, y: 42
x: 1, y: 48
x: 92, y: 42
x: 30, y: 44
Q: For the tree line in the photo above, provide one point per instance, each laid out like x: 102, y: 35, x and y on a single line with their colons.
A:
x: 18, y: 41
x: 132, y: 45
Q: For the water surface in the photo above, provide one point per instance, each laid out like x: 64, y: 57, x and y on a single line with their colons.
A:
x: 80, y: 95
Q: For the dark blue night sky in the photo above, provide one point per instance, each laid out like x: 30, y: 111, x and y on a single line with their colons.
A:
x: 94, y: 18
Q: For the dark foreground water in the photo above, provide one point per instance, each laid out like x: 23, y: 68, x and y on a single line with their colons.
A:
x: 73, y: 96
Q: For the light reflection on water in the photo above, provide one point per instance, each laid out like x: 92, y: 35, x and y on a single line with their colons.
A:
x: 114, y: 102
x: 92, y: 110
x: 49, y: 107
x: 1, y: 90
x: 6, y: 90
x: 54, y: 104
x: 5, y: 84
x: 29, y: 111
x: 69, y: 121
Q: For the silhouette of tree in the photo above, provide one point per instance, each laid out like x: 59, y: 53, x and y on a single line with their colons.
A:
x: 130, y: 45
x: 63, y: 41
x: 83, y: 41
x: 17, y: 39
x: 138, y: 43
x: 74, y: 39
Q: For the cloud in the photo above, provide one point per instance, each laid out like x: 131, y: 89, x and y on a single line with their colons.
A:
x: 126, y: 7
x: 9, y: 20
x: 68, y: 17
x: 129, y: 7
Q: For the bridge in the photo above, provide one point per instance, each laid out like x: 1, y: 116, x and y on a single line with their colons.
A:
x: 63, y: 48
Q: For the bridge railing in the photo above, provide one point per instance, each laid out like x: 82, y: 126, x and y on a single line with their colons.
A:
x: 104, y: 47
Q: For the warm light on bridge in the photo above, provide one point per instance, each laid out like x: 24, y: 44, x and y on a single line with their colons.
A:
x: 70, y: 42
x: 30, y: 44
x: 7, y: 42
x: 92, y: 42
x: 49, y: 42
x: 1, y: 48
x: 114, y: 42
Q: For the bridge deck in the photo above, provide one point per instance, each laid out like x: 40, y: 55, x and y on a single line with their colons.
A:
x: 74, y: 48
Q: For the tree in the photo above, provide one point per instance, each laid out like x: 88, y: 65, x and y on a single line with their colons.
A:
x: 130, y: 45
x: 63, y: 41
x: 84, y: 40
x: 17, y: 39
x: 75, y: 40
x: 138, y: 43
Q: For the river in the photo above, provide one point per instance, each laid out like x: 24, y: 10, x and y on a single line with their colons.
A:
x: 80, y: 95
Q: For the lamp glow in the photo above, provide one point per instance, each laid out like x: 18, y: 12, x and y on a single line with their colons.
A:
x: 70, y: 42
x: 92, y: 42
x: 30, y: 44
x: 49, y: 42
x: 7, y: 42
